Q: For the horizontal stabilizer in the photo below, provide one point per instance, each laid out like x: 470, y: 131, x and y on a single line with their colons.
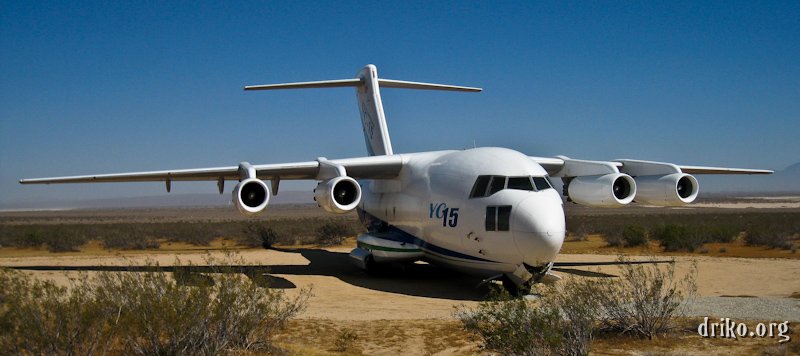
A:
x: 384, y: 83
x: 304, y: 85
x: 389, y: 83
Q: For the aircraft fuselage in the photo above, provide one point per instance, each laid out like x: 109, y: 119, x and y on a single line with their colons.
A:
x: 487, y: 227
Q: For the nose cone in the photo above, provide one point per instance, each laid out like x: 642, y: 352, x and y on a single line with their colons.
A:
x: 538, y: 225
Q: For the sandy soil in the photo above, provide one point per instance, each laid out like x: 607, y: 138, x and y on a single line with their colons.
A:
x: 422, y: 291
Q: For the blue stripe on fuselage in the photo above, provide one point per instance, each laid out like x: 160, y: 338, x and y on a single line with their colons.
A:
x: 395, y: 234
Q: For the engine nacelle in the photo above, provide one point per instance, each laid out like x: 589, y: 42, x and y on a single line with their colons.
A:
x: 603, y: 191
x: 675, y: 189
x: 251, y: 196
x: 338, y: 195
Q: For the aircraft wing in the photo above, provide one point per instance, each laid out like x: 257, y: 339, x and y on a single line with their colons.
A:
x: 566, y: 167
x: 375, y: 167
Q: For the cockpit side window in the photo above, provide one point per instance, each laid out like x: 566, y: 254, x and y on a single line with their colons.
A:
x: 487, y: 185
x: 520, y: 183
x: 498, y: 184
x: 541, y: 183
x: 479, y: 189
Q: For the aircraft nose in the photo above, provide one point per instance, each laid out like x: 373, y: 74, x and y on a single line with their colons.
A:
x: 538, y: 226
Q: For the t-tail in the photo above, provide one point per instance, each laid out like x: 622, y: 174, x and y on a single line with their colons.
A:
x: 367, y: 84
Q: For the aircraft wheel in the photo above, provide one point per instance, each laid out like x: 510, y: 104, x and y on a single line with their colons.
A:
x: 514, y: 289
x: 374, y: 268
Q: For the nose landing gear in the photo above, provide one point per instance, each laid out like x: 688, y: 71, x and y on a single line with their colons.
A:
x: 520, y: 282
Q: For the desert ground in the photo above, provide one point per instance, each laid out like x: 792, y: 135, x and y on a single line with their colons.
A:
x: 411, y: 310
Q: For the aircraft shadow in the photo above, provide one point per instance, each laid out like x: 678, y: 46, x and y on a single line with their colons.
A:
x: 422, y: 280
x: 583, y: 273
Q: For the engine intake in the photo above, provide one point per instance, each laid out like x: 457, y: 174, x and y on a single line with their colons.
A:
x: 675, y: 189
x: 338, y: 195
x: 251, y: 196
x: 604, y: 191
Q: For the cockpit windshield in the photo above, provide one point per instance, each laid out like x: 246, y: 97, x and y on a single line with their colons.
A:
x: 487, y: 185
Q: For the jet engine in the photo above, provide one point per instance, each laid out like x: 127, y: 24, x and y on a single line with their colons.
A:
x: 251, y: 196
x: 338, y: 195
x: 675, y: 189
x: 603, y: 191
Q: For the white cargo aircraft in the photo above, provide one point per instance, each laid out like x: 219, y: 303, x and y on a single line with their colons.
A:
x: 488, y: 211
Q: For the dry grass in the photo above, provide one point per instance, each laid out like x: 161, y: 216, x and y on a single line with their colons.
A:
x: 595, y: 244
x: 414, y: 337
x: 685, y: 340
x: 446, y: 337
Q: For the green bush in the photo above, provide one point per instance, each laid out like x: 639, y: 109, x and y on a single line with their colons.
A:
x: 634, y: 235
x: 561, y: 322
x: 333, y: 233
x: 645, y: 299
x: 132, y: 237
x: 514, y: 326
x: 259, y: 234
x: 143, y: 313
x: 629, y: 236
x: 720, y: 233
x: 769, y: 236
x: 674, y: 237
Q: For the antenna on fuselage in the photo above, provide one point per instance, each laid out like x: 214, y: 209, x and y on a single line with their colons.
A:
x: 367, y: 84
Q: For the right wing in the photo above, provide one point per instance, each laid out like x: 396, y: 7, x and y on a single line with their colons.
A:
x: 619, y: 182
x: 561, y: 166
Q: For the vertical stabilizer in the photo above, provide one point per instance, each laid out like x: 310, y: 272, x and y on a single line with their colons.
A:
x: 373, y: 121
x: 367, y: 84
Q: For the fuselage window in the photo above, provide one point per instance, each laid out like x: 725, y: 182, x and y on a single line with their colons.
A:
x: 479, y: 189
x: 541, y: 183
x: 520, y: 183
x: 503, y: 217
x: 491, y: 218
x: 498, y: 218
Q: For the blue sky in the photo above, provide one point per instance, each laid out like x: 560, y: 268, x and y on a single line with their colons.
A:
x: 103, y: 87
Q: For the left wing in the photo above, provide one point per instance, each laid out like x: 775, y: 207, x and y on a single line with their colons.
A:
x: 375, y: 167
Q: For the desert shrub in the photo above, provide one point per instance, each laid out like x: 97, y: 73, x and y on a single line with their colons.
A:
x: 39, y: 317
x: 514, y: 326
x: 673, y: 237
x: 195, y: 233
x: 55, y: 237
x: 769, y: 236
x: 65, y: 240
x: 131, y: 237
x: 143, y: 313
x: 29, y: 239
x: 645, y: 298
x: 345, y: 340
x: 561, y: 322
x: 259, y: 234
x: 629, y: 236
x: 613, y: 239
x: 720, y: 233
x: 333, y: 233
x: 580, y: 232
x: 634, y: 235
